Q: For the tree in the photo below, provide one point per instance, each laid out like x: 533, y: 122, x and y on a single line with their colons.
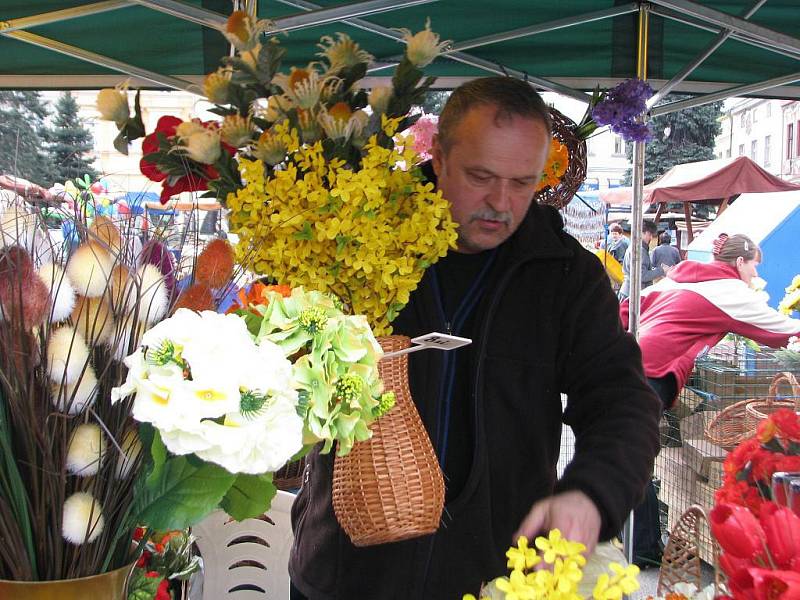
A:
x: 71, y: 142
x: 434, y: 101
x: 23, y: 137
x: 679, y: 137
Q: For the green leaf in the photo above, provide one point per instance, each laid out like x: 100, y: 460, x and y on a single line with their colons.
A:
x: 158, y: 452
x: 142, y: 587
x: 304, y: 234
x: 249, y: 496
x: 183, y: 494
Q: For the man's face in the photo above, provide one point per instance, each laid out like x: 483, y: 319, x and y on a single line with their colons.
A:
x: 615, y: 235
x: 647, y: 237
x: 490, y: 174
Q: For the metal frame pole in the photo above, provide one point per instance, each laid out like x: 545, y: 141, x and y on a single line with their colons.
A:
x: 636, y: 230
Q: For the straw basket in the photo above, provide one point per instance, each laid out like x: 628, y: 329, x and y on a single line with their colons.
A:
x: 390, y: 488
x: 739, y: 421
x: 564, y: 131
x: 290, y: 476
x: 758, y: 411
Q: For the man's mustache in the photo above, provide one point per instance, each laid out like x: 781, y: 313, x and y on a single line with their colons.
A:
x: 488, y: 214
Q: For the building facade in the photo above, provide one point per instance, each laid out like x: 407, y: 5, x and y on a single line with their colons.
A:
x: 765, y: 131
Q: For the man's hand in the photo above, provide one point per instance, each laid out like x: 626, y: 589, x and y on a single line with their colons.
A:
x: 571, y: 512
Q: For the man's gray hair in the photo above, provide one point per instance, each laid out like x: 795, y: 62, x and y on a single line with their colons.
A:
x: 512, y: 97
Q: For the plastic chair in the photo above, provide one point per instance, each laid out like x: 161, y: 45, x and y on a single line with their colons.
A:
x: 247, y: 560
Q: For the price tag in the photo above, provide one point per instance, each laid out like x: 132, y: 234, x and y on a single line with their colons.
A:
x: 433, y: 340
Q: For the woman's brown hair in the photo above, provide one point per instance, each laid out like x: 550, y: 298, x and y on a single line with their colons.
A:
x: 727, y: 248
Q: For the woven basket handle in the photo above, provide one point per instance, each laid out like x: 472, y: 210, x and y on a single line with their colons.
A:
x: 789, y: 380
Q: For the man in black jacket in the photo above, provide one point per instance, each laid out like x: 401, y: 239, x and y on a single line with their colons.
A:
x: 544, y: 321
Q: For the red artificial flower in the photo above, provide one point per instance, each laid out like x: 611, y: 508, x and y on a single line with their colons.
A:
x: 741, y: 584
x: 189, y: 182
x: 787, y: 423
x: 782, y: 529
x: 138, y: 533
x: 143, y: 560
x: 738, y: 532
x: 162, y: 593
x: 775, y: 585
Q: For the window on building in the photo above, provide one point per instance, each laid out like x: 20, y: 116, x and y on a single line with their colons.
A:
x: 741, y: 149
x: 728, y: 153
x: 614, y: 183
x: 619, y: 145
x: 789, y: 140
x: 755, y: 114
x: 769, y: 108
x: 589, y: 147
x: 742, y: 118
x: 753, y: 150
x: 797, y: 135
x: 767, y: 144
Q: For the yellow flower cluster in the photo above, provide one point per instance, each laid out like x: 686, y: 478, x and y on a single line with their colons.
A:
x: 365, y: 235
x: 791, y: 301
x: 560, y: 578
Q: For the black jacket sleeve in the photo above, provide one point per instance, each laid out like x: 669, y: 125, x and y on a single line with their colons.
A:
x: 611, y: 408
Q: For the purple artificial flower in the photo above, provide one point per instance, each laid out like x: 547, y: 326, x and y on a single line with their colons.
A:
x: 631, y: 131
x: 157, y: 254
x: 621, y: 106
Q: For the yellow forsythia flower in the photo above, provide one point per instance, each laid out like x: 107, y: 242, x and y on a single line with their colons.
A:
x: 366, y: 235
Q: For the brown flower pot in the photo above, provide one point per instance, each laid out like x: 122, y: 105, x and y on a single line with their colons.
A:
x: 390, y: 488
x: 108, y: 586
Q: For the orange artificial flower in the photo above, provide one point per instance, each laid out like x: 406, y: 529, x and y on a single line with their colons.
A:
x: 256, y: 294
x: 555, y: 166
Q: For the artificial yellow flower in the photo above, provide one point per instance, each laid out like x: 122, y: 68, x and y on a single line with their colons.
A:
x: 622, y: 581
x: 521, y: 557
x: 365, y: 236
x: 554, y: 546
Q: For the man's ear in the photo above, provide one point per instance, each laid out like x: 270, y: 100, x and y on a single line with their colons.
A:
x: 437, y: 155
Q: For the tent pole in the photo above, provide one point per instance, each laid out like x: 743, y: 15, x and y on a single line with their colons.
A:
x: 723, y: 20
x: 700, y: 58
x: 637, y: 211
x: 740, y: 90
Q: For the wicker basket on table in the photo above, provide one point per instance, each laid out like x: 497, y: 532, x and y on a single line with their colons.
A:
x: 564, y: 131
x: 681, y: 561
x: 390, y: 488
x: 739, y: 421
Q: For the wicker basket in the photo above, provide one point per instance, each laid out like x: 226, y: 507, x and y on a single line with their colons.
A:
x: 289, y: 477
x: 390, y: 488
x: 573, y: 178
x: 681, y: 561
x: 758, y: 411
x: 739, y: 421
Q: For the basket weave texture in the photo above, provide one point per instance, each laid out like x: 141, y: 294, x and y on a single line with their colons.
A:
x: 739, y: 421
x: 575, y: 175
x: 681, y: 560
x: 390, y: 488
x: 290, y: 476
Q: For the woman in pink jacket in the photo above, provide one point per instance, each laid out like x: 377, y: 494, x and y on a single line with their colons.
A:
x: 688, y: 311
x: 696, y: 305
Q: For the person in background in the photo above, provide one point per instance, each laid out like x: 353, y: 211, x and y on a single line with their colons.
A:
x: 649, y: 272
x: 665, y: 254
x: 543, y: 321
x: 618, y: 243
x: 692, y: 309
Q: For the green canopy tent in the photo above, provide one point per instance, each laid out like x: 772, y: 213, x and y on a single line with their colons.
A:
x: 561, y: 46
